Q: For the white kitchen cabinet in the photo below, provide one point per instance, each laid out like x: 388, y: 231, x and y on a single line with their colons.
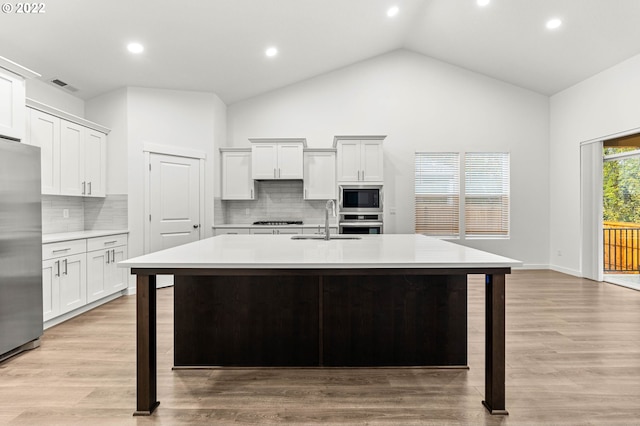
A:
x: 276, y: 231
x: 319, y: 230
x: 44, y: 132
x: 12, y: 109
x: 231, y: 231
x: 320, y: 175
x: 95, y: 163
x: 79, y: 272
x: 277, y: 158
x: 359, y: 160
x: 71, y: 159
x: 237, y: 183
x: 64, y: 276
x: 103, y: 275
x: 73, y: 156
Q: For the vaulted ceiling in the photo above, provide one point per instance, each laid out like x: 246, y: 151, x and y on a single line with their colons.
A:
x: 219, y: 45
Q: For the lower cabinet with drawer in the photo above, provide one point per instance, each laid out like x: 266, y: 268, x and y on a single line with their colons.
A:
x: 103, y: 275
x: 64, y: 277
x: 80, y: 272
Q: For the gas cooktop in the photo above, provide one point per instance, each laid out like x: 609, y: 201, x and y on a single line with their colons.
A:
x: 278, y: 222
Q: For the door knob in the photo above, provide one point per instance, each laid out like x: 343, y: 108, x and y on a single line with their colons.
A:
x: 196, y: 226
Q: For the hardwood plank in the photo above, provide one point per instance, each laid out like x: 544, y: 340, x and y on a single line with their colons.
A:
x: 572, y: 353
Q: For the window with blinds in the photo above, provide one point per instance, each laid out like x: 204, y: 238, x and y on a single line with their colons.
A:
x: 486, y: 194
x: 437, y: 194
x: 484, y: 189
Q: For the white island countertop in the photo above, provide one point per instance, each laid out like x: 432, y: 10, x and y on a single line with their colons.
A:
x: 283, y: 252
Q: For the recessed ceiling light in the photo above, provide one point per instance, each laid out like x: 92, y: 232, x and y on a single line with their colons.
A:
x: 483, y: 3
x: 393, y: 11
x: 554, y: 23
x: 270, y: 52
x: 135, y: 48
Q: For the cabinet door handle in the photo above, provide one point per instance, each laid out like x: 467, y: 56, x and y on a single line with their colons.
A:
x: 84, y: 186
x: 305, y: 193
x: 363, y: 175
x: 251, y: 192
x: 113, y: 255
x: 89, y: 188
x: 108, y: 258
x: 279, y: 173
x: 57, y: 274
x: 358, y: 174
x: 274, y: 173
x: 65, y: 267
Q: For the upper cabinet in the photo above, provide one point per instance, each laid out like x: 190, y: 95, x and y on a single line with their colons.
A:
x: 277, y: 158
x: 360, y: 158
x: 12, y: 98
x: 320, y: 174
x: 237, y: 183
x: 74, y: 156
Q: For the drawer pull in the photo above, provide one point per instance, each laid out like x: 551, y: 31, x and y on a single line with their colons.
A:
x: 62, y: 250
x: 110, y: 242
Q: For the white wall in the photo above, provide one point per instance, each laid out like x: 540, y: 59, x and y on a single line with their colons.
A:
x: 422, y: 105
x: 110, y: 110
x: 191, y: 120
x: 52, y: 96
x: 596, y: 108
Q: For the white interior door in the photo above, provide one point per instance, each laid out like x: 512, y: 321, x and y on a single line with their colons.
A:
x: 174, y: 201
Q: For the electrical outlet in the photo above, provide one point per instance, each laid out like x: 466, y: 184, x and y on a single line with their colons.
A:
x: 65, y: 213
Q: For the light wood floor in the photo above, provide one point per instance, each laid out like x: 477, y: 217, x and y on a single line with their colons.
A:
x: 573, y: 357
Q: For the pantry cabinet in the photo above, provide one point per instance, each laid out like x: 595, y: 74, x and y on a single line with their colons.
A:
x: 237, y: 183
x: 74, y: 156
x: 359, y: 158
x: 319, y: 174
x: 277, y: 158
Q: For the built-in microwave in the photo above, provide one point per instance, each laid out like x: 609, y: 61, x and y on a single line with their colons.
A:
x: 360, y: 198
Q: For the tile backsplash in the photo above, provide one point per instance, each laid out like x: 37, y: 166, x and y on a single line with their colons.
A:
x: 84, y: 213
x: 276, y: 200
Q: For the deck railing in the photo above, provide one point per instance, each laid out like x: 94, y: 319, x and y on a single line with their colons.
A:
x: 621, y: 247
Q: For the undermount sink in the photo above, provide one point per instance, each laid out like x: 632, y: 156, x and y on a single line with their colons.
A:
x: 321, y: 237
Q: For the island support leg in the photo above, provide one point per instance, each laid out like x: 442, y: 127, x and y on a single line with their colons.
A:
x: 146, y: 378
x: 494, y: 381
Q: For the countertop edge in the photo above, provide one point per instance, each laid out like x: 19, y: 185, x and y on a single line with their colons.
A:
x: 79, y: 235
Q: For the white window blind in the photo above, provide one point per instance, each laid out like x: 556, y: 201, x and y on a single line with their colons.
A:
x: 486, y: 197
x: 437, y: 194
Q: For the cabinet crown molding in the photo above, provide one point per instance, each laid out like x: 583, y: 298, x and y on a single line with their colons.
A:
x: 357, y: 138
x: 67, y: 116
x: 17, y: 68
x: 303, y: 141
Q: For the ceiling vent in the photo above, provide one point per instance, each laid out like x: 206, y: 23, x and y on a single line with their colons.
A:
x: 63, y: 85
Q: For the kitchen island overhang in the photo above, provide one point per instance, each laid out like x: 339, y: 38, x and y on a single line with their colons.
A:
x: 274, y: 301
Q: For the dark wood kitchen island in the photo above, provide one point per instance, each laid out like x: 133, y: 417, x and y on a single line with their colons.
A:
x: 274, y: 301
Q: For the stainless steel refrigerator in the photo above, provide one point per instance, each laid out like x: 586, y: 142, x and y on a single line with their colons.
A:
x: 20, y: 248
